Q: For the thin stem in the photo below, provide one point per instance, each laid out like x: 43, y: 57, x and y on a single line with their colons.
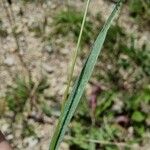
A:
x: 11, y: 20
x: 75, y: 54
x: 68, y: 4
x: 118, y: 144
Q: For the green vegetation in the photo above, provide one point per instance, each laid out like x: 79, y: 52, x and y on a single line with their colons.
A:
x: 16, y: 97
x: 124, y: 103
x: 140, y: 10
x: 22, y: 98
x: 113, y: 112
x: 112, y: 121
x: 79, y: 86
x: 18, y: 94
x: 69, y: 21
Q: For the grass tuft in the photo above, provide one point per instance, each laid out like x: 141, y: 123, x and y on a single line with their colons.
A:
x: 70, y: 21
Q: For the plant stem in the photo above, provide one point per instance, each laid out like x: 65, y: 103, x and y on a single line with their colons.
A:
x: 11, y: 20
x: 75, y: 54
x: 74, y: 98
x: 119, y: 144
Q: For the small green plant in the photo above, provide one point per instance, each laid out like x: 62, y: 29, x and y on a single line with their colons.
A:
x: 22, y: 97
x: 103, y: 137
x: 70, y: 21
x: 28, y: 129
x: 111, y: 125
x: 116, y: 33
x: 140, y: 10
x: 36, y: 29
x: 141, y: 57
x: 18, y: 94
x: 136, y: 103
x: 129, y: 57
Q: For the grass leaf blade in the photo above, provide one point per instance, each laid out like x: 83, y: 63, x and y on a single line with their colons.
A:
x: 79, y: 86
x: 75, y: 53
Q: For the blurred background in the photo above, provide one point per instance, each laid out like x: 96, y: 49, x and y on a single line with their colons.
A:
x: 37, y: 38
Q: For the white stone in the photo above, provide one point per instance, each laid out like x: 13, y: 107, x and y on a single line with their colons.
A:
x: 48, y: 68
x: 10, y: 61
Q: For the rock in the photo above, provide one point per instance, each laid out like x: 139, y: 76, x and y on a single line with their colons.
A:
x: 9, y: 61
x: 30, y: 141
x: 10, y: 137
x: 5, y: 127
x: 131, y: 131
x: 118, y: 105
x: 148, y: 121
x: 47, y: 49
x: 48, y: 68
x: 64, y: 146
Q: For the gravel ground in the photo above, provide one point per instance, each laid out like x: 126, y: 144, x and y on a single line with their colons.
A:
x: 52, y: 57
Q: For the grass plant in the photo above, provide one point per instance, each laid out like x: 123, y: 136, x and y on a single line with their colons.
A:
x: 79, y: 86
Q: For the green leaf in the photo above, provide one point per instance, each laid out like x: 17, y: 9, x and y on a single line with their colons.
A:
x: 138, y: 116
x: 79, y: 86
